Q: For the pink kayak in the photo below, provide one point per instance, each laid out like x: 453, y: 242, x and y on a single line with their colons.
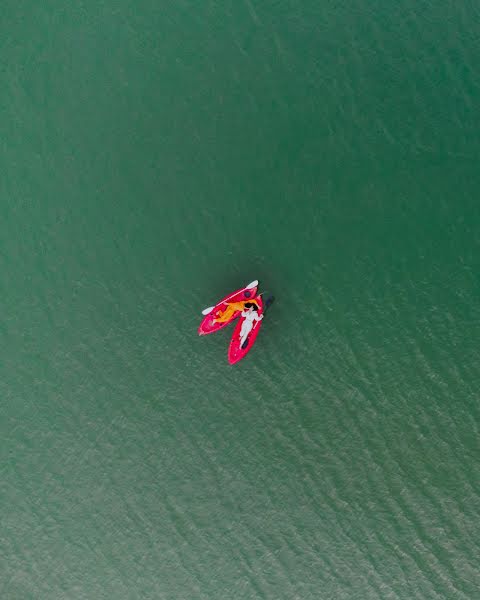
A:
x: 235, y: 351
x: 209, y: 323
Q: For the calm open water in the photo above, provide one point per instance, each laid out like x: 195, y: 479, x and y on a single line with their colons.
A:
x: 155, y: 156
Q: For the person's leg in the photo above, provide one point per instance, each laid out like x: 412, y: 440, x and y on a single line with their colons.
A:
x: 245, y: 330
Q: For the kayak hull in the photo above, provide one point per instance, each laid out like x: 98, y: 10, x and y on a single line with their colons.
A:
x: 209, y: 325
x: 235, y: 352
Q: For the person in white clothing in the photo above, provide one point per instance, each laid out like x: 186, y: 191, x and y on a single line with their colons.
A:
x: 249, y: 315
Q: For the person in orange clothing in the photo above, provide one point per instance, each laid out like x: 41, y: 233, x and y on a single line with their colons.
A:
x: 232, y: 307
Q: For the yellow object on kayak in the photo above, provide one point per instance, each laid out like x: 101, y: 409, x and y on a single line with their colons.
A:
x: 232, y: 307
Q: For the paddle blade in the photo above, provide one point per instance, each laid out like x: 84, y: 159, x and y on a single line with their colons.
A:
x: 251, y: 285
x: 207, y: 311
x: 269, y: 302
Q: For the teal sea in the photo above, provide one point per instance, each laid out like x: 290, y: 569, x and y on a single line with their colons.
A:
x: 155, y: 156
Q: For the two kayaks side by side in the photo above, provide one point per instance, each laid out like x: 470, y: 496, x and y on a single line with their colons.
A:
x: 210, y: 322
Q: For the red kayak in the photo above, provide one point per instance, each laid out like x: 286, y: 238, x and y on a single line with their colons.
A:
x: 235, y: 351
x: 210, y: 323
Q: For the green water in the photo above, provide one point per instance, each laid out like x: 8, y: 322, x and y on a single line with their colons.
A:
x: 155, y: 156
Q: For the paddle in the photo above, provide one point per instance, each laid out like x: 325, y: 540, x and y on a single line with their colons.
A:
x: 207, y: 311
x: 268, y: 302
